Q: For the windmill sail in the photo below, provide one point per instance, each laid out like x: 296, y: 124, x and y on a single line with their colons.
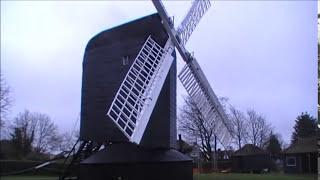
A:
x: 200, y: 91
x: 138, y: 93
x: 192, y: 19
x: 191, y: 76
x: 189, y: 23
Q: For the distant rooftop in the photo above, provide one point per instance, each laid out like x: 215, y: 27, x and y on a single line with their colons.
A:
x: 249, y: 149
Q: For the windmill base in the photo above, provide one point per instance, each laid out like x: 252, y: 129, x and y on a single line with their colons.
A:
x: 128, y: 161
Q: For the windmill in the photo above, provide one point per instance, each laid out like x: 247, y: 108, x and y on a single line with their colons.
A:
x: 128, y: 101
x: 134, y: 102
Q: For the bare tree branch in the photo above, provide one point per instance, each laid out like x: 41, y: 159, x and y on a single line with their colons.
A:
x: 258, y: 128
x: 39, y: 129
x: 46, y: 134
x: 240, y: 127
x: 193, y: 124
x: 5, y: 100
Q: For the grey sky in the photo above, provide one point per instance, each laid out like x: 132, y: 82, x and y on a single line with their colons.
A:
x: 261, y: 55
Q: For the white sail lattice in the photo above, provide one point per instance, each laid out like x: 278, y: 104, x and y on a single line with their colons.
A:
x: 138, y: 93
x: 195, y: 83
x: 192, y: 18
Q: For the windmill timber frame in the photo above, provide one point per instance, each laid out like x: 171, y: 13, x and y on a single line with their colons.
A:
x: 128, y: 116
x: 138, y: 93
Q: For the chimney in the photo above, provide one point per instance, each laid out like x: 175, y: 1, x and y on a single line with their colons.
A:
x: 180, y: 143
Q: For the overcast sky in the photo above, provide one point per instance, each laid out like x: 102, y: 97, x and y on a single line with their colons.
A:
x: 260, y: 55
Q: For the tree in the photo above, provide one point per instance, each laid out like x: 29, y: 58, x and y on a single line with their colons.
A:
x: 68, y: 140
x: 46, y: 134
x: 318, y: 74
x: 258, y: 129
x: 264, y: 132
x: 21, y: 143
x: 193, y: 124
x: 273, y: 145
x: 305, y: 126
x: 23, y: 133
x: 5, y: 100
x: 240, y: 127
x: 34, y: 132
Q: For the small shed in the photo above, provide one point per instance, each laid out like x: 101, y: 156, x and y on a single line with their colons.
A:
x: 251, y: 158
x: 301, y: 156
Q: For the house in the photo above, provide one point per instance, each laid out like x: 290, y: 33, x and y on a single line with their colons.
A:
x: 193, y: 151
x: 251, y: 158
x: 224, y: 161
x: 224, y: 154
x: 301, y: 156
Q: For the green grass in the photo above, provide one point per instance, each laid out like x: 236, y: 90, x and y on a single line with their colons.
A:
x: 213, y: 176
x: 235, y: 176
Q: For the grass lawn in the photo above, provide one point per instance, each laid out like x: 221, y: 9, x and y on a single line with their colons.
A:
x: 213, y: 176
x: 235, y: 176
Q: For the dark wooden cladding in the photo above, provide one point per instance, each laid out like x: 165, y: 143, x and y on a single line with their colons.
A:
x: 103, y: 72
